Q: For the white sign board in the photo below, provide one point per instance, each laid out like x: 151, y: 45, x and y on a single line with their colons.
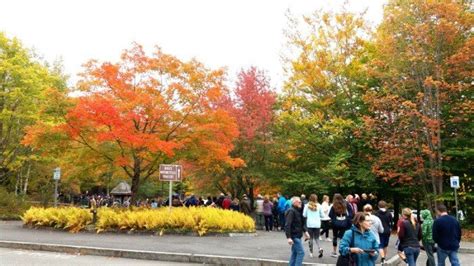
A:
x: 455, y: 182
x: 57, y: 173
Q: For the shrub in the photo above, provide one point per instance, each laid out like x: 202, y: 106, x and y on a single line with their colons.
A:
x: 69, y: 218
x: 199, y: 220
x: 11, y: 206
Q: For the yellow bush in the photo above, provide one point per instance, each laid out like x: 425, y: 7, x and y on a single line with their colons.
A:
x: 199, y: 220
x: 69, y: 218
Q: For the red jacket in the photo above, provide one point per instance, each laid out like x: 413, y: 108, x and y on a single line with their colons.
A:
x: 226, y: 203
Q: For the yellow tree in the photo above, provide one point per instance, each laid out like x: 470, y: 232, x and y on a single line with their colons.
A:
x: 322, y: 100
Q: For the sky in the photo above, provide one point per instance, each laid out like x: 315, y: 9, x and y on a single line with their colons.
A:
x: 234, y: 34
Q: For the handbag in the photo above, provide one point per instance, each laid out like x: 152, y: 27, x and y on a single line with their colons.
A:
x: 349, y: 259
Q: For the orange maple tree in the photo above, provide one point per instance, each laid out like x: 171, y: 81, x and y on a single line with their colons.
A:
x: 146, y: 110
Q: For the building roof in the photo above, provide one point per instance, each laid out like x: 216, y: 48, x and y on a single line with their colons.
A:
x: 123, y: 188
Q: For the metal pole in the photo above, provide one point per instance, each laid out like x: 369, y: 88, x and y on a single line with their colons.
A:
x: 171, y: 191
x: 456, y: 199
x: 55, y: 193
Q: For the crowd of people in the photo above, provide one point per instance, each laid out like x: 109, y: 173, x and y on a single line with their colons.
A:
x: 364, y: 234
x: 361, y: 232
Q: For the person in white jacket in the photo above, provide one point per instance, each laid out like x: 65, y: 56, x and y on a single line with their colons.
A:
x: 313, y: 213
x: 377, y: 227
x: 326, y: 220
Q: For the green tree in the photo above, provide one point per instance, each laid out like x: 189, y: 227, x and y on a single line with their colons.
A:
x: 321, y: 106
x: 24, y: 85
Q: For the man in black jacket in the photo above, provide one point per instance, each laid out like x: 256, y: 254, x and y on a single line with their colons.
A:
x: 447, y: 234
x: 387, y: 221
x: 295, y: 226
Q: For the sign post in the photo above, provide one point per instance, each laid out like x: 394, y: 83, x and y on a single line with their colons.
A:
x: 170, y: 172
x: 454, y: 180
x: 56, y: 177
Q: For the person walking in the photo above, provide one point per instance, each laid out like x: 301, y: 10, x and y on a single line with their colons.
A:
x: 447, y: 234
x: 259, y: 218
x: 235, y: 205
x: 409, y: 234
x: 267, y: 213
x: 360, y: 242
x: 376, y: 225
x: 226, y: 202
x: 313, y: 213
x: 245, y: 205
x: 427, y: 236
x: 281, y: 210
x: 341, y: 215
x: 276, y: 218
x: 387, y: 222
x: 325, y: 221
x: 294, y: 230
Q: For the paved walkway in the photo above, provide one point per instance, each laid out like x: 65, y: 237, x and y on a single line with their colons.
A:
x: 13, y: 257
x: 263, y: 245
x: 266, y: 245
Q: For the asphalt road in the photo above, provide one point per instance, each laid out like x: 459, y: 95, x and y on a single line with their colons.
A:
x: 267, y: 245
x: 465, y: 259
x: 16, y: 257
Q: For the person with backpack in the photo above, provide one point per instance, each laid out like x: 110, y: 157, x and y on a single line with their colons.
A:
x: 427, y: 236
x: 245, y: 205
x: 294, y: 230
x: 341, y: 216
x: 387, y: 222
x: 409, y: 234
x: 359, y: 242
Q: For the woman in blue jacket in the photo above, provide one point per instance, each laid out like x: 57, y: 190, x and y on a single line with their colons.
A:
x: 360, y: 242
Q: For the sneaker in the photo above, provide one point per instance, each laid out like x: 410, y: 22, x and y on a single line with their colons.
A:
x: 328, y: 239
x: 320, y: 253
x: 382, y: 261
x: 334, y: 254
x: 310, y: 255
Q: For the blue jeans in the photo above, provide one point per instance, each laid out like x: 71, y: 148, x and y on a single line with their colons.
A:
x: 297, y: 253
x: 412, y: 255
x: 452, y: 254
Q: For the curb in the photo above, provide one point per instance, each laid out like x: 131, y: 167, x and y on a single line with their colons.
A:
x: 162, y: 256
x: 147, y: 255
x: 466, y: 250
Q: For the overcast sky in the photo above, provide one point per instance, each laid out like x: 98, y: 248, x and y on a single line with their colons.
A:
x: 234, y: 34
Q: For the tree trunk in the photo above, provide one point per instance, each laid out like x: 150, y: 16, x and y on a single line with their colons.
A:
x: 17, y: 183
x: 250, y: 195
x: 27, y: 178
x: 135, y: 179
